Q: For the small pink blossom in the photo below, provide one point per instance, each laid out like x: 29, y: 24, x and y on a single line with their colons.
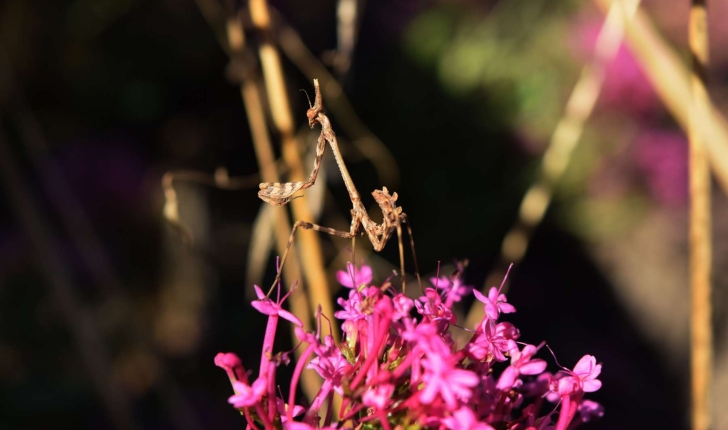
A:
x: 282, y: 409
x: 228, y: 361
x: 378, y: 397
x: 587, y: 370
x: 268, y: 307
x: 590, y: 410
x: 495, y: 303
x: 464, y: 419
x: 402, y: 306
x: 354, y: 277
x: 522, y: 363
x: 451, y: 383
x: 246, y: 395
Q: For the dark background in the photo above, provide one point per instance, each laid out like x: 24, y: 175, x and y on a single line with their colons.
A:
x: 99, y: 99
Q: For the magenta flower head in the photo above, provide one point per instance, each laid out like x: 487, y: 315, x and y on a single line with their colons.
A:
x: 464, y: 419
x: 246, y: 395
x: 586, y: 372
x: 266, y: 306
x: 395, y: 370
x: 228, y: 361
x: 354, y: 277
x: 495, y: 303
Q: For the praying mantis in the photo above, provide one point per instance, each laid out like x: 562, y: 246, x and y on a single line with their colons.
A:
x: 393, y: 217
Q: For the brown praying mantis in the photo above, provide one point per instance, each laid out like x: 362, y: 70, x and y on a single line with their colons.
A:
x: 279, y: 194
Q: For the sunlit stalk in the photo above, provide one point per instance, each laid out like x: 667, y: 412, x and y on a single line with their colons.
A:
x: 701, y: 348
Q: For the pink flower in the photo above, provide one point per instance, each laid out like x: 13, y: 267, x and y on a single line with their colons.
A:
x: 402, y: 306
x: 232, y: 366
x: 352, y: 308
x: 464, y: 419
x: 330, y: 363
x: 493, y: 340
x: 378, y: 397
x: 582, y: 378
x: 228, y: 361
x: 440, y: 377
x: 268, y: 307
x: 246, y: 395
x: 282, y: 409
x: 353, y: 278
x: 521, y: 364
x: 454, y: 291
x: 590, y: 410
x: 494, y: 303
x: 433, y: 308
x: 586, y: 371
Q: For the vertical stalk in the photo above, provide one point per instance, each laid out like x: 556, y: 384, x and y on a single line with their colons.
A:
x: 311, y: 255
x: 268, y: 173
x: 701, y: 347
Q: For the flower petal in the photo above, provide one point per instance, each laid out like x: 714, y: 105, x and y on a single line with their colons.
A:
x: 591, y: 385
x: 265, y: 307
x: 290, y: 317
x: 585, y: 365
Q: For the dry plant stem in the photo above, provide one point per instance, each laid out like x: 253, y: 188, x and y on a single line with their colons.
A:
x: 670, y: 79
x: 392, y: 216
x: 311, y: 254
x: 264, y: 153
x: 347, y: 12
x: 364, y: 140
x: 293, y: 47
x: 701, y: 342
x: 561, y: 146
x: 219, y: 180
x: 80, y: 320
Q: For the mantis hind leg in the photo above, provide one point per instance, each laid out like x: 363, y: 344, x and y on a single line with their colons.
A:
x: 306, y: 226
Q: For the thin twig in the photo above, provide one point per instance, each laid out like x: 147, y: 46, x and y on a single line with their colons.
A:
x: 219, y: 179
x: 701, y: 339
x: 311, y: 255
x: 563, y: 141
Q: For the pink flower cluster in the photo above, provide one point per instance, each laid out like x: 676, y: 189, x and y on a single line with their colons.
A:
x: 396, y: 371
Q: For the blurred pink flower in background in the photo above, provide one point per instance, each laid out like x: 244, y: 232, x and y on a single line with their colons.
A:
x: 662, y: 157
x: 625, y: 85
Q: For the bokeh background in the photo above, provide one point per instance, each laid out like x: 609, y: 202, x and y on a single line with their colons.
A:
x: 109, y: 319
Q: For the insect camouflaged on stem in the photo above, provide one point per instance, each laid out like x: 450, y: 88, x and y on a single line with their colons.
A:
x: 279, y: 194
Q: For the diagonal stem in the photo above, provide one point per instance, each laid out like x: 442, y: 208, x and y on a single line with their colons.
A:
x: 561, y: 146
